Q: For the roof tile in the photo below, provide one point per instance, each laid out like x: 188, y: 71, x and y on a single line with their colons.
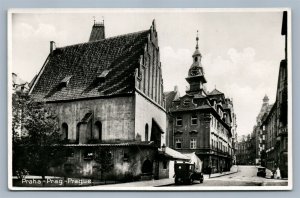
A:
x: 85, y: 62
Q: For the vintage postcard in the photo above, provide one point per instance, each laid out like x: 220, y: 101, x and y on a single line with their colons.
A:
x: 149, y: 99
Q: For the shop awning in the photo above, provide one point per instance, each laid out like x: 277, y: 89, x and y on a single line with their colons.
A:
x: 172, y: 154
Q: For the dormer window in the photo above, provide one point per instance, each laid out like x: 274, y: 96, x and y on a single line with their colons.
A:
x: 186, y: 102
x: 64, y: 82
x: 103, y: 75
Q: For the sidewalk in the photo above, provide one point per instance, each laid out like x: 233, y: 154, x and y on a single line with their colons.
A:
x: 233, y: 169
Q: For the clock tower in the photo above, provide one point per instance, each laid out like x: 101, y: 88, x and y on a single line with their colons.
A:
x: 196, y: 77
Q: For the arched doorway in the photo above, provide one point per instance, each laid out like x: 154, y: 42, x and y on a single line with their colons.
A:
x: 147, y: 167
x: 98, y: 130
x: 156, y: 133
x: 65, y: 132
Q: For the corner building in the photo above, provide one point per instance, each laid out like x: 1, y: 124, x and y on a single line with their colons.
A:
x: 202, y: 121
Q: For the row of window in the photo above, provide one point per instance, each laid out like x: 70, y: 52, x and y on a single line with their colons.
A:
x: 97, y: 131
x: 193, y: 143
x: 217, y: 125
x: 219, y: 145
x: 194, y: 120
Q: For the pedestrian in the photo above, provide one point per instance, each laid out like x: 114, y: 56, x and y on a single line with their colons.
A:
x: 278, y: 175
x: 209, y: 170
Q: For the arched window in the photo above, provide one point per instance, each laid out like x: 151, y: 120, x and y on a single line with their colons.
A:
x: 98, y: 130
x: 146, y: 132
x: 64, y: 128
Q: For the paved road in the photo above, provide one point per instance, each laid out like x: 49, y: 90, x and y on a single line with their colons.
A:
x: 246, y: 176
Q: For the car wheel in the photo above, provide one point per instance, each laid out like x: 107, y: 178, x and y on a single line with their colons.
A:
x: 201, y: 181
x: 191, y: 181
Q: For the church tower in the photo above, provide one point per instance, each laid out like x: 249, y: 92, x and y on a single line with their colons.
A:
x: 196, y: 77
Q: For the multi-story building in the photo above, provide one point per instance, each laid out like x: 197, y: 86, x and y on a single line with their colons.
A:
x: 246, y: 150
x: 108, y: 94
x: 275, y: 123
x: 201, y: 121
x: 241, y: 152
x: 260, y: 137
x: 269, y: 129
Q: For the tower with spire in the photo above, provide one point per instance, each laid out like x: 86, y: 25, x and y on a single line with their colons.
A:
x: 196, y: 77
x: 202, y: 122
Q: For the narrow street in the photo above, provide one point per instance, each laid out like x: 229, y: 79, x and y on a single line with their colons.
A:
x: 246, y: 176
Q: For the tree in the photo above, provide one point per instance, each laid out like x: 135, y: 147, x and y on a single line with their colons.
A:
x: 104, y: 158
x: 36, y: 138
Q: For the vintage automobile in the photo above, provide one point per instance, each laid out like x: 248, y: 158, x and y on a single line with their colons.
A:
x: 185, y: 173
x: 261, y: 171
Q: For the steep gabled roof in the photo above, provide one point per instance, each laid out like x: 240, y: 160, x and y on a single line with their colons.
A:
x: 215, y: 92
x: 169, y: 96
x: 85, y: 63
x: 216, y: 95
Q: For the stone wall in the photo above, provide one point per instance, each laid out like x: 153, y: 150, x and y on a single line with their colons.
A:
x: 125, y: 162
x: 115, y: 114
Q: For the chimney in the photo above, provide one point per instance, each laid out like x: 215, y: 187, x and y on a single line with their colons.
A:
x: 176, y: 88
x: 52, y: 46
x: 98, y: 32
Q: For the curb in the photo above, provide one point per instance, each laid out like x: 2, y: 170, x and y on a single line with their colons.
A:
x: 223, y: 174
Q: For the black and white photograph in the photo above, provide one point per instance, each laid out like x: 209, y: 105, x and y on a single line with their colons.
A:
x: 149, y: 99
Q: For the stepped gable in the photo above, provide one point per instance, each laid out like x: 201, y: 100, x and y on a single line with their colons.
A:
x: 92, y: 69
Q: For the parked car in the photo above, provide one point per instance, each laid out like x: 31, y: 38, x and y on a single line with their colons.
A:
x: 185, y: 173
x: 261, y: 171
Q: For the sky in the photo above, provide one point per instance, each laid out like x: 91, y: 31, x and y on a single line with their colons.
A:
x: 241, y: 50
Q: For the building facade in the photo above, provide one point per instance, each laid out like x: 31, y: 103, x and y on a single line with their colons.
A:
x: 201, y: 121
x: 108, y: 95
x: 246, y: 150
x: 242, y: 151
x: 275, y: 123
x: 260, y: 136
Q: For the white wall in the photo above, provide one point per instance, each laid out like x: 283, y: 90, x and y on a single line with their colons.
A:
x: 145, y: 111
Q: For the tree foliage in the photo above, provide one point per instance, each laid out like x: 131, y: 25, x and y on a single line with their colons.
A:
x: 36, y: 137
x: 104, y: 158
